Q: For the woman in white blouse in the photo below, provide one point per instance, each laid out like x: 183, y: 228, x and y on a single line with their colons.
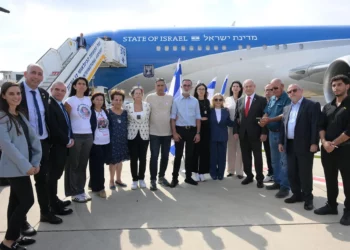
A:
x: 234, y: 155
x: 138, y: 135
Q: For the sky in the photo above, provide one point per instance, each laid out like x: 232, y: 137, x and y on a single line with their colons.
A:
x: 34, y: 26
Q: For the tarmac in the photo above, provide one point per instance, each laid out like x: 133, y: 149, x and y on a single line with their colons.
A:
x: 213, y: 215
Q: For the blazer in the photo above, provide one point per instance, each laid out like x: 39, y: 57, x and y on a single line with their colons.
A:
x: 250, y: 124
x: 218, y: 130
x: 14, y: 160
x: 93, y: 121
x: 78, y: 41
x: 44, y: 97
x: 58, y: 124
x: 306, y: 126
x: 142, y: 124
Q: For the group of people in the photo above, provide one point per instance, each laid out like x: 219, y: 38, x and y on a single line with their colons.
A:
x: 45, y: 136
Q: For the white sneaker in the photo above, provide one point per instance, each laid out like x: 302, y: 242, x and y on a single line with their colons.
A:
x: 87, y: 197
x: 201, y: 177
x: 134, y: 185
x: 142, y: 184
x: 196, y: 177
x: 268, y: 178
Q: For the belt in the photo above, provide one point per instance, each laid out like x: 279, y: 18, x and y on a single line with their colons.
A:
x: 274, y: 130
x: 186, y: 127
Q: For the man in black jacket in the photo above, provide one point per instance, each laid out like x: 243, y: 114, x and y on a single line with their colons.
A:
x: 250, y: 109
x: 299, y: 139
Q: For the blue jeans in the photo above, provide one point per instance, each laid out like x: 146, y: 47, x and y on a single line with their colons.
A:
x: 278, y: 162
x: 163, y: 143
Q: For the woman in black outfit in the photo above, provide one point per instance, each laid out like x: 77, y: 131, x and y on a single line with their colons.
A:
x: 201, y: 158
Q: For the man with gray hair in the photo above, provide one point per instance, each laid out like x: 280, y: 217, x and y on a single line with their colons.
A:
x: 299, y: 139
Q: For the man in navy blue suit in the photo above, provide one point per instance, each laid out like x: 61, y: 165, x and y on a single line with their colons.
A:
x: 81, y: 41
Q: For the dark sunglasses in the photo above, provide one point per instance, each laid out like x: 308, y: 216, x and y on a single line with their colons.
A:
x: 275, y: 88
x: 268, y: 89
x: 218, y: 100
x: 292, y: 90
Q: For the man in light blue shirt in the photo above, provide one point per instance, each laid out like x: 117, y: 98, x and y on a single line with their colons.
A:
x: 186, y: 126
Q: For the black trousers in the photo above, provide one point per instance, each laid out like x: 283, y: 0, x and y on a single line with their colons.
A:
x: 248, y: 147
x: 268, y: 155
x: 98, y: 157
x: 58, y: 158
x: 187, y: 136
x: 21, y: 200
x: 300, y: 171
x: 333, y: 162
x: 201, y: 151
x: 138, y: 153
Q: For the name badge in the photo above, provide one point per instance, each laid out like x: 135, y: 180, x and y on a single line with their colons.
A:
x: 119, y: 121
x: 205, y: 112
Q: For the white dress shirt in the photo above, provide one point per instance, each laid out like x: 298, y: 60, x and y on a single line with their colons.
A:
x: 218, y: 114
x: 293, y: 118
x: 33, y: 118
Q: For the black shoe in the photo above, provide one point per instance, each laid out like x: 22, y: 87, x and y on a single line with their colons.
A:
x: 240, y: 176
x: 191, y: 181
x: 50, y: 218
x: 260, y: 184
x: 64, y: 203
x: 230, y: 175
x: 327, y: 209
x: 25, y: 241
x: 163, y: 181
x: 246, y: 181
x: 345, y: 220
x: 15, y: 246
x: 274, y: 186
x: 282, y: 193
x: 293, y: 199
x: 153, y: 186
x: 62, y: 211
x: 27, y: 229
x: 173, y: 183
x: 309, y: 205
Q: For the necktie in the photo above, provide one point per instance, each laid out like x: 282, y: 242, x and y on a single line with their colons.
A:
x: 247, y: 106
x: 67, y: 119
x: 36, y: 104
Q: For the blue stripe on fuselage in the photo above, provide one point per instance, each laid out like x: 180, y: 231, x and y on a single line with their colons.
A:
x: 141, y: 44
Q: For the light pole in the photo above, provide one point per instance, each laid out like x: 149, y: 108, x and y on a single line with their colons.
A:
x: 4, y: 10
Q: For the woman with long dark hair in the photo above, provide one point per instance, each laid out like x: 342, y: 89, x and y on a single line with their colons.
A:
x: 201, y: 150
x: 78, y: 106
x: 99, y: 153
x: 234, y: 155
x: 21, y: 156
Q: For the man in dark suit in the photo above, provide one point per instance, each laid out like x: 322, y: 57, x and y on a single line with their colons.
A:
x: 61, y: 137
x: 81, y: 42
x: 250, y: 109
x: 269, y: 176
x: 299, y: 138
x: 35, y: 107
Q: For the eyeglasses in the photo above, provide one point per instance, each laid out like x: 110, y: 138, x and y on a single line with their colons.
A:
x: 218, y: 100
x: 292, y: 90
x: 201, y: 89
x: 268, y: 89
x: 275, y: 88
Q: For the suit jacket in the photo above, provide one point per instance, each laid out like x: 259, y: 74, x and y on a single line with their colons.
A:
x: 14, y: 160
x: 250, y: 124
x: 44, y: 97
x: 58, y: 124
x: 306, y: 126
x: 218, y: 130
x: 93, y: 121
x: 78, y: 41
x: 135, y: 125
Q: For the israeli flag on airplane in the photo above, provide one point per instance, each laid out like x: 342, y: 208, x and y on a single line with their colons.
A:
x: 211, y: 88
x: 223, y: 88
x: 175, y: 91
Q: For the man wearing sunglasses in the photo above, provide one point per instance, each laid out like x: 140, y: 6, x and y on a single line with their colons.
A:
x: 299, y: 140
x: 272, y: 120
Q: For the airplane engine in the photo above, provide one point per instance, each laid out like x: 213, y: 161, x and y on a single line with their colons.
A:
x: 339, y: 66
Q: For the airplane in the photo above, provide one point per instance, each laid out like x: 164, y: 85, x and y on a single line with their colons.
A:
x: 307, y: 55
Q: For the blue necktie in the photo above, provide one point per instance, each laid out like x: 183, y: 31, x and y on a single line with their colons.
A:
x: 40, y: 122
x: 67, y: 119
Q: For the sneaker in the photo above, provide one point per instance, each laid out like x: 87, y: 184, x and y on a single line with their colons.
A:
x: 345, y: 220
x: 142, y: 184
x: 268, y: 178
x: 102, y: 194
x: 153, y: 185
x: 201, y: 177
x: 87, y: 197
x: 134, y: 185
x: 163, y: 181
x: 327, y: 209
x: 79, y: 198
x: 196, y: 177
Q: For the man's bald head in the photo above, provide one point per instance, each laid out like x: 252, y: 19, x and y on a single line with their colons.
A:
x: 249, y: 87
x: 277, y: 86
x: 295, y: 92
x: 34, y: 75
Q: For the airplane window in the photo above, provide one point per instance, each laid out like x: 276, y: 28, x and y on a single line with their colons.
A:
x: 158, y: 48
x: 216, y: 47
x: 207, y: 47
x: 183, y: 48
x: 285, y: 46
x: 223, y: 47
x: 264, y: 46
x: 191, y: 48
x: 240, y: 47
x: 199, y: 47
x: 301, y: 46
x: 277, y: 46
x: 166, y: 48
x: 248, y: 46
x: 175, y: 48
